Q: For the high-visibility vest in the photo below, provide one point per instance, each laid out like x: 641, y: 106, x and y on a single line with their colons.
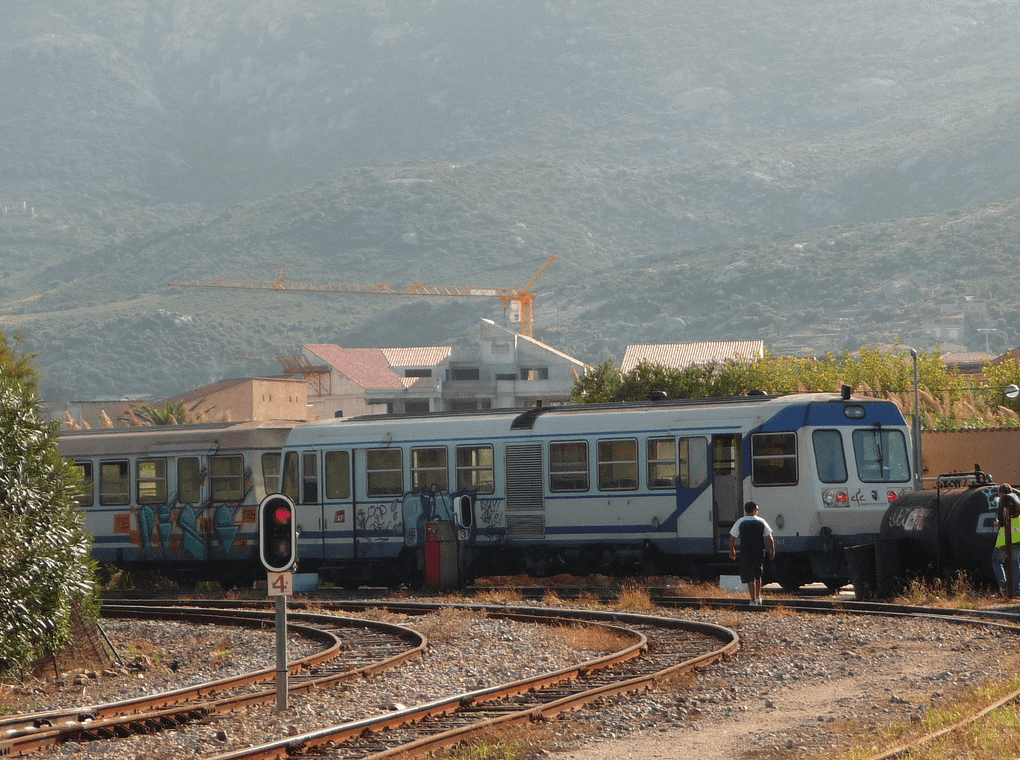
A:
x: 1000, y: 541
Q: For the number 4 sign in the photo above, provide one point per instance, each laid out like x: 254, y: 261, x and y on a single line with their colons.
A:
x: 280, y: 584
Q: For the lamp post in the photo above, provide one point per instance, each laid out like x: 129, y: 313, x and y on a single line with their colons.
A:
x: 918, y: 469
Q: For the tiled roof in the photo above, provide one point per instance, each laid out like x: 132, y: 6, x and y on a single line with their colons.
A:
x: 967, y: 357
x: 967, y: 362
x: 428, y: 356
x: 681, y: 355
x: 365, y: 366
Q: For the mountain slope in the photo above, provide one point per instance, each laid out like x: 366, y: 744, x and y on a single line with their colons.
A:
x: 813, y: 174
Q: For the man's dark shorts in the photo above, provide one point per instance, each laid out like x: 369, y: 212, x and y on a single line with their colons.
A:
x: 750, y: 569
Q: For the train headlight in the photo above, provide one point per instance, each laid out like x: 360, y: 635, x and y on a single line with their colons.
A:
x: 835, y: 497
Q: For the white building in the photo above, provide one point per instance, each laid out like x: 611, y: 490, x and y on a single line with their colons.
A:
x: 506, y: 370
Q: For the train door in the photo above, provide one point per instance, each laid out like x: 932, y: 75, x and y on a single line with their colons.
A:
x: 301, y: 484
x: 231, y: 486
x: 377, y: 506
x: 338, y: 522
x: 727, y: 487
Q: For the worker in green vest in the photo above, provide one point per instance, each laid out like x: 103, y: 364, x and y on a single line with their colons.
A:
x: 1006, y: 556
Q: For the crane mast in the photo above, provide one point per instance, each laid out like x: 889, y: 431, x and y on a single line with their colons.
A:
x: 517, y: 303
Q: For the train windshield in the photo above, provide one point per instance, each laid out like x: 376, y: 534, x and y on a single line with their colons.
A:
x: 881, y: 456
x: 829, y: 458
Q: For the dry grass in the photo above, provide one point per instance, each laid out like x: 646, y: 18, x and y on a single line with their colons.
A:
x: 958, y: 593
x: 447, y: 624
x: 633, y: 597
x: 500, y: 596
x: 371, y: 613
x: 993, y: 737
x: 593, y: 638
x: 220, y: 653
x: 511, y: 743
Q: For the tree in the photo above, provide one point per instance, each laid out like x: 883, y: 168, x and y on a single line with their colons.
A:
x: 169, y: 414
x: 948, y: 402
x: 46, y: 570
x: 598, y: 385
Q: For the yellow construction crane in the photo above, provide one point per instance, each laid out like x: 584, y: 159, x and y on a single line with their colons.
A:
x: 518, y: 304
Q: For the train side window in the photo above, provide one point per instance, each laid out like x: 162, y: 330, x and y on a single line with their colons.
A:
x: 150, y: 480
x: 429, y: 467
x: 694, y: 459
x: 661, y: 462
x: 114, y: 483
x: 830, y: 460
x: 271, y: 472
x: 309, y: 477
x: 88, y: 496
x: 568, y: 466
x: 476, y: 469
x: 774, y: 459
x: 189, y: 480
x: 291, y: 472
x: 617, y: 464
x: 338, y: 475
x: 385, y: 475
x: 226, y: 477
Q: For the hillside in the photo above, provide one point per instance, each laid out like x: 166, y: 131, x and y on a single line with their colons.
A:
x: 818, y: 176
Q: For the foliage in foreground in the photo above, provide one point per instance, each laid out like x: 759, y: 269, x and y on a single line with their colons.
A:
x: 948, y: 399
x: 46, y: 570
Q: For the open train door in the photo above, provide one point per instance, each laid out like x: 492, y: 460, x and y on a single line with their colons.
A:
x: 727, y: 486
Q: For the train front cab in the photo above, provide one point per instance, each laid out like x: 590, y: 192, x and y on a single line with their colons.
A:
x: 824, y: 478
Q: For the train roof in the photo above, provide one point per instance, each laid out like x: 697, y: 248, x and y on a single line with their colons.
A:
x: 579, y: 417
x: 204, y: 437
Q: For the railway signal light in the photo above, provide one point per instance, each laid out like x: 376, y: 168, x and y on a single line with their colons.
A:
x: 277, y: 533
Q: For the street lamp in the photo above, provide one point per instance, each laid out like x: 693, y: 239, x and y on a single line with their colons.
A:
x: 918, y: 469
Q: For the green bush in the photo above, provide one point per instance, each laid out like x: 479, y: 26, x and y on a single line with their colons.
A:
x: 46, y: 570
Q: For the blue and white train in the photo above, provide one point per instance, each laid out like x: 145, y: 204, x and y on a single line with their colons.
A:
x: 613, y: 488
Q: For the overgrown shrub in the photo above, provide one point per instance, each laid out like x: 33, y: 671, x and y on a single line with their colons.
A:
x: 45, y: 566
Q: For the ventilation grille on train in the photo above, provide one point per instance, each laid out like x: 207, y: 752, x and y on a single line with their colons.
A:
x: 525, y: 527
x: 525, y: 503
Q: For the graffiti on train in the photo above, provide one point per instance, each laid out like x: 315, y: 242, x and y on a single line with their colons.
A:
x: 177, y: 531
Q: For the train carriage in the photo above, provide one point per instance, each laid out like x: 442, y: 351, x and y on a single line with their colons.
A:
x: 607, y: 488
x: 182, y: 499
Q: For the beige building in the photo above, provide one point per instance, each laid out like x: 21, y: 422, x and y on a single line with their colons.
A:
x: 250, y: 398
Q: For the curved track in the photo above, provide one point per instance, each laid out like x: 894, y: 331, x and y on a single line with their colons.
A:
x: 657, y: 649
x: 371, y: 646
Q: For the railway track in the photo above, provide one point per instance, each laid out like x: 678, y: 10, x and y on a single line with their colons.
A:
x: 657, y: 649
x: 653, y: 649
x: 352, y: 648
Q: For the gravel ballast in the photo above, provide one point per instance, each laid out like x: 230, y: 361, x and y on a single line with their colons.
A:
x: 797, y: 682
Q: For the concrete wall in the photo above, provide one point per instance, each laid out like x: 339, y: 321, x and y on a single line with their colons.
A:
x: 996, y: 451
x: 277, y: 398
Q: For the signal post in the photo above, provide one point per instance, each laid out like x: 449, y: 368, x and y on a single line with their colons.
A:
x: 278, y: 552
